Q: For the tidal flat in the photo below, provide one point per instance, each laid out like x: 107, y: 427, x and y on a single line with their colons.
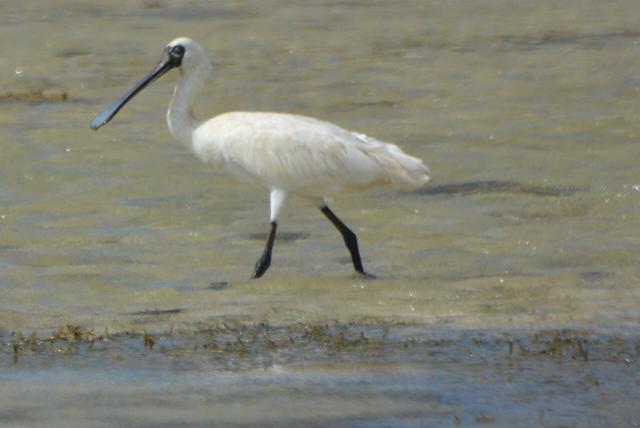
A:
x: 507, y: 291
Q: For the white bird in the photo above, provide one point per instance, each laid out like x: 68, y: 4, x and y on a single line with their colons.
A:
x: 289, y: 154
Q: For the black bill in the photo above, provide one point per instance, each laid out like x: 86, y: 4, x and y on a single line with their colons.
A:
x: 171, y: 58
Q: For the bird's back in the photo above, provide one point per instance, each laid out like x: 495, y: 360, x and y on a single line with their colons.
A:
x: 304, y: 155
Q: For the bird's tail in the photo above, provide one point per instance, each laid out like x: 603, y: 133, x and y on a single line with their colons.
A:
x: 404, y: 172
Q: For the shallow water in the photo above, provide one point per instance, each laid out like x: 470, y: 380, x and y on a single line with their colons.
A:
x: 326, y: 375
x: 527, y: 115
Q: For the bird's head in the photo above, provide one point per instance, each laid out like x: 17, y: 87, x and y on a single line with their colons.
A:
x: 182, y: 53
x: 185, y: 54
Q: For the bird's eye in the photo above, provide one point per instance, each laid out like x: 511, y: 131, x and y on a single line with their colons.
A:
x: 177, y: 51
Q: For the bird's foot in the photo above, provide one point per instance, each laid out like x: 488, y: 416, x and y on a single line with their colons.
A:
x: 261, y: 267
x: 366, y: 276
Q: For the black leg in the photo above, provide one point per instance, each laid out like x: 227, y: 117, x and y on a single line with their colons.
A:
x: 350, y: 240
x: 265, y: 260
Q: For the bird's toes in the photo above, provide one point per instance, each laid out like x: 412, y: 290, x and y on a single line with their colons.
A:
x: 261, y: 267
x: 257, y: 273
x: 365, y: 276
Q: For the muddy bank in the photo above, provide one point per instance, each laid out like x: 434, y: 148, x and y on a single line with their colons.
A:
x: 257, y: 344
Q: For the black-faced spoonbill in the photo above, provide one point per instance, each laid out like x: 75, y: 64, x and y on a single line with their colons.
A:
x: 288, y: 154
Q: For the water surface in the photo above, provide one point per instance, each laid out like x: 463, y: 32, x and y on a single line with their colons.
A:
x: 526, y: 113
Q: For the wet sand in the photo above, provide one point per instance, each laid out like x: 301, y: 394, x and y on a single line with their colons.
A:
x: 507, y: 292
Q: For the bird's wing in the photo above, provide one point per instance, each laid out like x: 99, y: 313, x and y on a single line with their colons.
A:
x: 305, y: 155
x: 299, y: 154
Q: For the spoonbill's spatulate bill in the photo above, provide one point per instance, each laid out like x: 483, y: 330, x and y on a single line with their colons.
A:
x: 288, y: 154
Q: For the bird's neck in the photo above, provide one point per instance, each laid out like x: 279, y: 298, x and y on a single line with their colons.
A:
x: 180, y: 116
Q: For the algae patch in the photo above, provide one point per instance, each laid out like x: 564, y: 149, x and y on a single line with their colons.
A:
x: 35, y: 96
x: 228, y: 344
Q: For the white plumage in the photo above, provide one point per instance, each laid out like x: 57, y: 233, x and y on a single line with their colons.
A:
x: 287, y: 153
x: 303, y: 155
